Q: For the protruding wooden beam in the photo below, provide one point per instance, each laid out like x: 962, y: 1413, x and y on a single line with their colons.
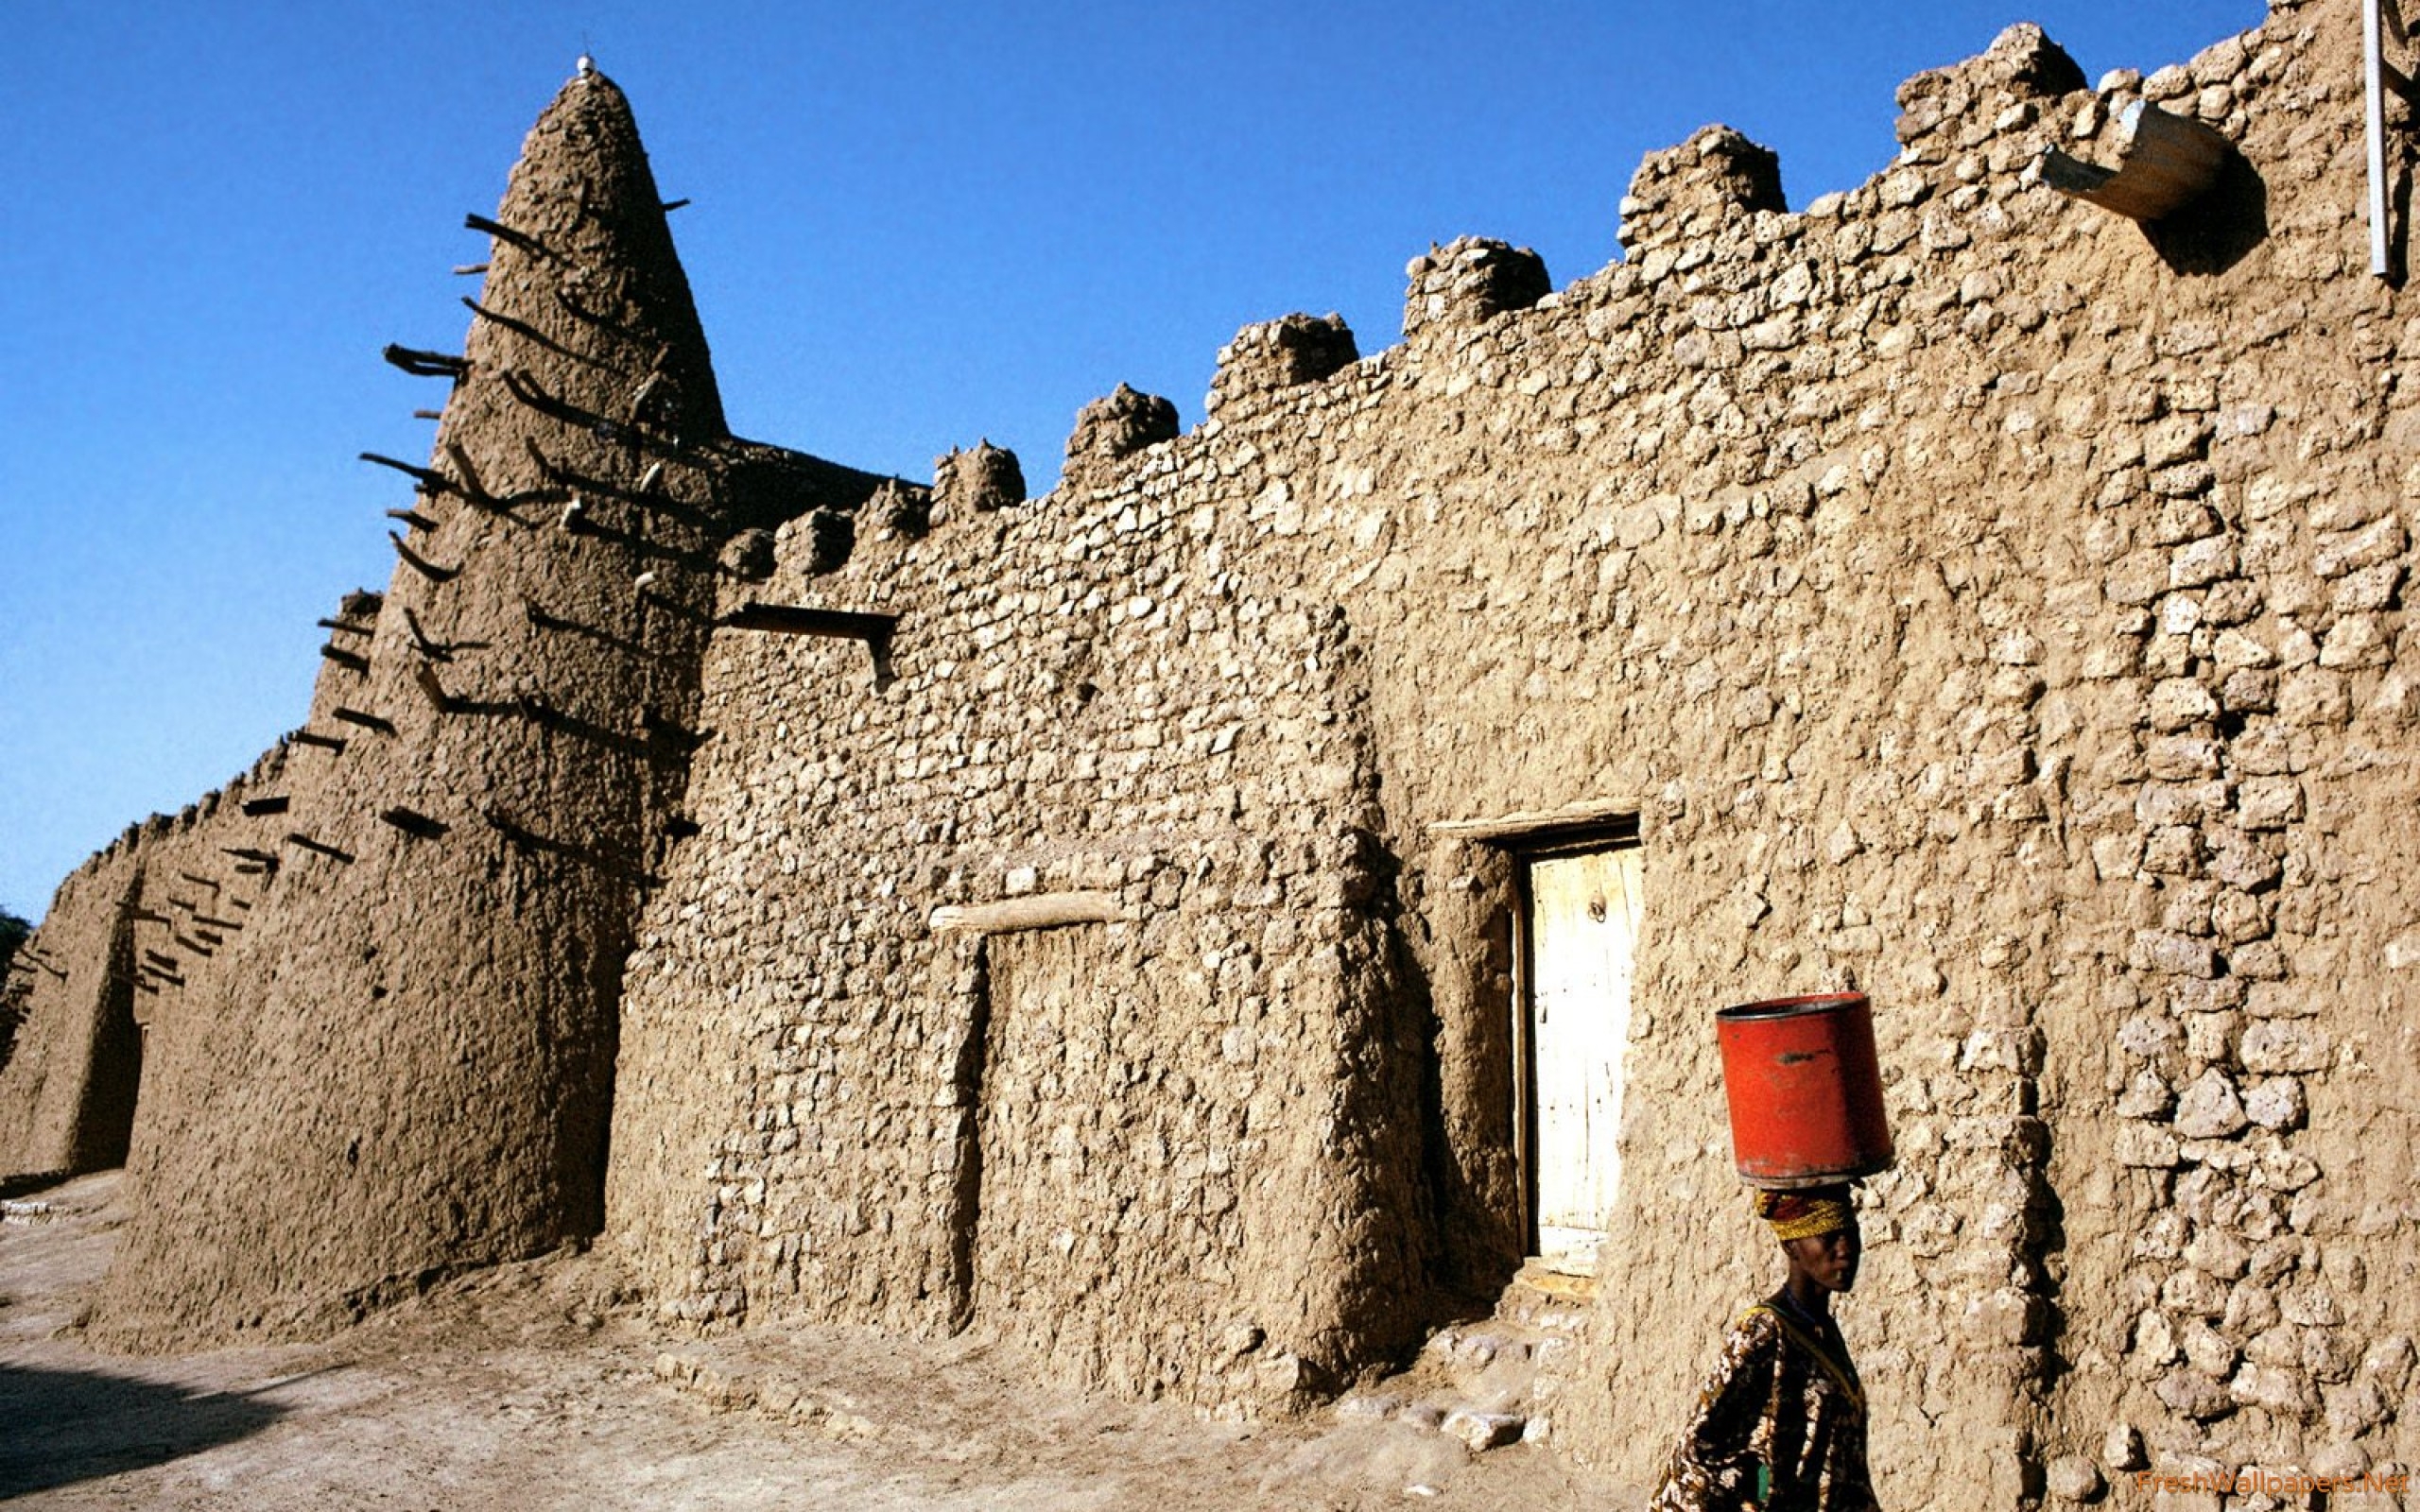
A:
x: 799, y: 619
x: 467, y: 477
x: 333, y: 744
x: 525, y: 330
x: 274, y: 804
x: 428, y: 478
x: 367, y: 721
x: 351, y: 660
x: 419, y: 639
x: 426, y: 364
x: 412, y: 518
x: 414, y: 823
x: 425, y: 679
x: 533, y: 395
x: 318, y: 847
x: 506, y: 234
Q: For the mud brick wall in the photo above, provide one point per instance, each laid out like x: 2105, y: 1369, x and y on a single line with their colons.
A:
x: 128, y: 933
x: 403, y: 1065
x: 68, y: 1070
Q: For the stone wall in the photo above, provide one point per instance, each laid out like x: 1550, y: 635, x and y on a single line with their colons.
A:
x: 1979, y: 601
x: 1089, y: 919
x: 1194, y: 1109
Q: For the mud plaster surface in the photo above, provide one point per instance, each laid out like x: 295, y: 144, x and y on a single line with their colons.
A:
x: 528, y: 1387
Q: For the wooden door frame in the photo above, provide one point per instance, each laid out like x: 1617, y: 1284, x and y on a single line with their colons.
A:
x: 1526, y: 848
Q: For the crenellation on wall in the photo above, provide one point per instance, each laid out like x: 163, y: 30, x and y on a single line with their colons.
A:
x: 1112, y: 429
x: 2023, y: 77
x: 1275, y: 355
x: 1470, y: 281
x: 976, y: 482
x: 1687, y: 193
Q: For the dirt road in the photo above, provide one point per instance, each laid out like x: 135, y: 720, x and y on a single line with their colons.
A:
x: 520, y: 1390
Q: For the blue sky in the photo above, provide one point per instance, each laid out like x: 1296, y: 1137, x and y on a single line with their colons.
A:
x: 913, y: 226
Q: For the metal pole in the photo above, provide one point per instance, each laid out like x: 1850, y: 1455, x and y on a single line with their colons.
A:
x: 2377, y: 131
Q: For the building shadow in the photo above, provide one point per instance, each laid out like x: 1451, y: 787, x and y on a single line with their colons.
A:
x: 57, y: 1427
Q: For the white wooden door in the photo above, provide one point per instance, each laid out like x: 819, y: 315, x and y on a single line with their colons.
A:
x: 1584, y: 937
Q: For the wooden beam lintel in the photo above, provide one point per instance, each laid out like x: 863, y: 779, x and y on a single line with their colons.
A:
x: 1042, y: 910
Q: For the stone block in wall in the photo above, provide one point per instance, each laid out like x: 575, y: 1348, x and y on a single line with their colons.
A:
x: 1115, y: 427
x: 1687, y: 192
x: 2209, y: 1108
x: 2279, y: 1046
x: 1471, y: 279
x: 1280, y: 355
x: 976, y: 482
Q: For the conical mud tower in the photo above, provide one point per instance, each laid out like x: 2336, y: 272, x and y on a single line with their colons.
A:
x: 407, y: 1067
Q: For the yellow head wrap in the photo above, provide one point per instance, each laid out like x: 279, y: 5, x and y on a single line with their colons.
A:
x: 1807, y: 1214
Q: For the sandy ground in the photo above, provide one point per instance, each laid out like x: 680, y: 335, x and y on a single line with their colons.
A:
x: 520, y: 1388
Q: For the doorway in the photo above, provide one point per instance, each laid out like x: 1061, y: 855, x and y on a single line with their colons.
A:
x: 1581, y: 906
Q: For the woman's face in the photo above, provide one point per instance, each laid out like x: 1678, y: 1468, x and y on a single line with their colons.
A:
x: 1828, y: 1260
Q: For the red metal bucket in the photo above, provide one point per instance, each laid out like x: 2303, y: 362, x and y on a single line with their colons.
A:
x: 1804, y: 1089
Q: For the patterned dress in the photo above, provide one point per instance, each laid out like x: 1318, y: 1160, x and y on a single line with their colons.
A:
x: 1780, y: 1424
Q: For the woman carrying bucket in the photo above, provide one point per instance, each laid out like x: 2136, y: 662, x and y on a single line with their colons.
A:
x: 1781, y: 1420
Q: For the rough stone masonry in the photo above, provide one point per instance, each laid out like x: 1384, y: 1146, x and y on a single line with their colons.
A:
x: 1094, y: 918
